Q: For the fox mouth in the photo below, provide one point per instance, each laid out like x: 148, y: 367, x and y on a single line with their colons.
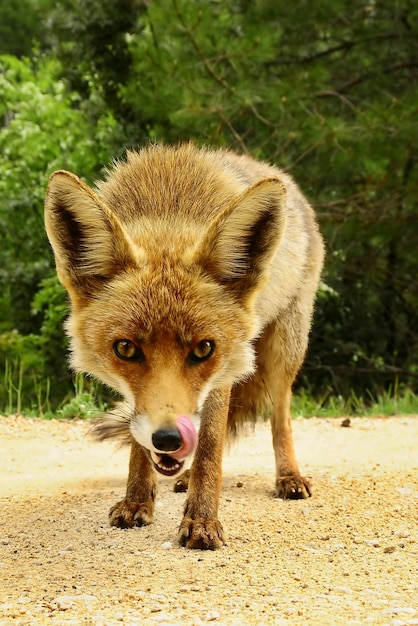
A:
x: 166, y: 465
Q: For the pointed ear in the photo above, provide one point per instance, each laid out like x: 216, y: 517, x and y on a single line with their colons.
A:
x: 240, y: 244
x: 89, y: 242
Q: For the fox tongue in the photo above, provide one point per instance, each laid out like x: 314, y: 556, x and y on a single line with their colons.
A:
x: 189, y: 436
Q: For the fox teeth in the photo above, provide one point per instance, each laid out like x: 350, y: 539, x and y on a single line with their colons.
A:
x: 173, y: 467
x: 166, y: 464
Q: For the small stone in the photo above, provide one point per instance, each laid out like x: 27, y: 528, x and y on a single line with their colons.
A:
x: 396, y: 610
x: 212, y: 616
x: 63, y: 604
x: 389, y: 549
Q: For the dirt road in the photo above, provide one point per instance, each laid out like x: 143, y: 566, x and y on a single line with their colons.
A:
x: 348, y: 555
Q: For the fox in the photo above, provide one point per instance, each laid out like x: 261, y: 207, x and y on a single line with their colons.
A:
x: 192, y: 274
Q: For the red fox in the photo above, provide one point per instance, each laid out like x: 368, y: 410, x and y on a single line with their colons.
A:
x: 192, y: 275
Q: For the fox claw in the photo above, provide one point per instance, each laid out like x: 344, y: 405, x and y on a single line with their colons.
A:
x: 293, y: 487
x: 128, y: 514
x: 201, y: 534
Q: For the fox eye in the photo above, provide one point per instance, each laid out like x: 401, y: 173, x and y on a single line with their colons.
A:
x: 128, y: 351
x: 201, y: 352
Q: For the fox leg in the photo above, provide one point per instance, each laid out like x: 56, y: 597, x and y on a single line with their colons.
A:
x: 282, y: 351
x: 289, y: 483
x: 137, y: 508
x: 200, y: 528
x: 182, y: 482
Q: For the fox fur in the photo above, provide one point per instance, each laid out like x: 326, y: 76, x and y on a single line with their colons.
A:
x: 192, y: 275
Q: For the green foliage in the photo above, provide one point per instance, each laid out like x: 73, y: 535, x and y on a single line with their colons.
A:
x: 30, y: 362
x: 85, y: 404
x: 44, y: 130
x: 327, y: 90
x: 328, y: 93
x: 22, y: 364
x: 22, y: 25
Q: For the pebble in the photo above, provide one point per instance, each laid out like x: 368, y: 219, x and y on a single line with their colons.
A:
x: 397, y: 610
x: 63, y: 601
x: 63, y: 604
x: 389, y: 549
x: 212, y: 616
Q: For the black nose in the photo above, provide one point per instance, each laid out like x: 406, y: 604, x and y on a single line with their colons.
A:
x: 167, y: 440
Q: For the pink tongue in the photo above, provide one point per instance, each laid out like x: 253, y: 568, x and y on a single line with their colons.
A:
x: 189, y: 435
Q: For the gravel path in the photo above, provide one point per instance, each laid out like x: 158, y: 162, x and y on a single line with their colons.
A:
x: 348, y: 555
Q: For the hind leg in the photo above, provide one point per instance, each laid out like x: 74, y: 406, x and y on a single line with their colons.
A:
x: 181, y: 484
x: 280, y: 351
x: 289, y: 482
x: 281, y: 354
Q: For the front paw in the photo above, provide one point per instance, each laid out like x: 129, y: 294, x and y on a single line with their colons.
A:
x: 293, y: 487
x: 201, y: 534
x: 128, y: 514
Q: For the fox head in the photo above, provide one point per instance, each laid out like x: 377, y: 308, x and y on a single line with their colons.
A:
x: 163, y: 285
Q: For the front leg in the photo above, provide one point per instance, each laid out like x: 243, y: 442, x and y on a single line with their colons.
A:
x: 137, y: 508
x: 200, y: 528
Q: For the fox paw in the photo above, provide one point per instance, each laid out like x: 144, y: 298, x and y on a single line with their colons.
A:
x: 128, y: 514
x: 201, y: 534
x: 292, y: 487
x: 181, y: 485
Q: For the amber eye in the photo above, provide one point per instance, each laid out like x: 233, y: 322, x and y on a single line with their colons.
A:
x: 202, y: 351
x: 128, y: 351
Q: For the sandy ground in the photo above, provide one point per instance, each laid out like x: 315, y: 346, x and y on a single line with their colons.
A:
x: 348, y: 555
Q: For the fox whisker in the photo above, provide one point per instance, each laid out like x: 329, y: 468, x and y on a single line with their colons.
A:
x: 114, y: 425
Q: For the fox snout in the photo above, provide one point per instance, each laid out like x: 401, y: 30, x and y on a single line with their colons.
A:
x: 167, y: 440
x: 173, y: 445
x: 180, y: 441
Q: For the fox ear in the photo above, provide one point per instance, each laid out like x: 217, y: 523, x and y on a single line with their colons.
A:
x: 89, y: 242
x: 240, y: 244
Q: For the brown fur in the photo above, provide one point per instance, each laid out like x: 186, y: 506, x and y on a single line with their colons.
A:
x: 181, y: 245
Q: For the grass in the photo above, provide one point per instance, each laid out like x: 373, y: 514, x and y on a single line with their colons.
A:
x: 86, y: 402
x: 391, y: 402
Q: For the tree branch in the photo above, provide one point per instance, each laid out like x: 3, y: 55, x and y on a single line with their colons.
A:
x: 198, y: 50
